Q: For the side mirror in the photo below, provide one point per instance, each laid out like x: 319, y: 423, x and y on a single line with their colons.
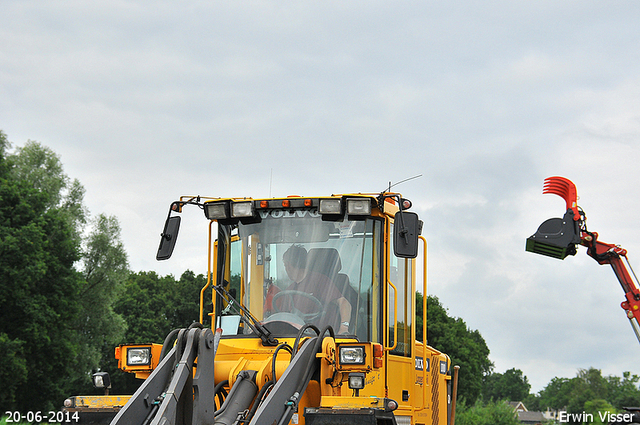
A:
x: 406, y: 230
x: 168, y: 238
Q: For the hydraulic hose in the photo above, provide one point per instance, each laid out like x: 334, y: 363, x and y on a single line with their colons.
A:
x: 302, y: 331
x: 269, y: 384
x: 266, y: 387
x: 284, y: 346
x: 220, y: 391
x: 295, y: 397
x: 166, y: 345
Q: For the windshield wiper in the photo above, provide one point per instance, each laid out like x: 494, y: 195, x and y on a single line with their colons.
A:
x: 247, y: 317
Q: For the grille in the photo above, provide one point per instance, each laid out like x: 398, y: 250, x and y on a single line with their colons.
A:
x: 435, y: 395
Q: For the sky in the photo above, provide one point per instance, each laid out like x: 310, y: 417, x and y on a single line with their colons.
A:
x: 147, y: 101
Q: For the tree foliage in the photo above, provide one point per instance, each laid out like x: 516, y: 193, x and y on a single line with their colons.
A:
x: 43, y: 323
x: 152, y: 306
x: 491, y: 413
x: 104, y: 270
x: 466, y: 347
x: 589, y: 392
x: 510, y: 386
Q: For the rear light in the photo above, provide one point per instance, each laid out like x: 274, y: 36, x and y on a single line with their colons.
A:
x: 378, y: 356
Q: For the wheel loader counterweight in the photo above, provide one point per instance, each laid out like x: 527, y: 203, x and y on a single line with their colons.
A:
x: 313, y: 320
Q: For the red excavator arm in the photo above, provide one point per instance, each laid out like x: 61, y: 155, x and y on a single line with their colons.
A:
x: 559, y: 237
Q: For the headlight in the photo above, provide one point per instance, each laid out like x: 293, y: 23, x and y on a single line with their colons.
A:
x: 330, y: 206
x: 242, y: 209
x: 139, y: 356
x: 356, y: 206
x: 101, y: 380
x: 356, y: 381
x: 351, y: 355
x: 217, y: 210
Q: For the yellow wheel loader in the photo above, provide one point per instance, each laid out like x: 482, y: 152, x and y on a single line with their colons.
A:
x: 312, y: 321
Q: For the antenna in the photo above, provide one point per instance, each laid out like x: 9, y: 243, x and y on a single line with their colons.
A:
x: 402, y: 181
x: 270, y: 182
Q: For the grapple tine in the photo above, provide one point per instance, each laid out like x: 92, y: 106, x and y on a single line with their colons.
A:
x: 558, y: 237
x: 566, y: 190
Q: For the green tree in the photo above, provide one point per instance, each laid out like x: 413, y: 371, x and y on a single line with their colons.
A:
x: 623, y: 391
x: 598, y: 408
x: 556, y: 394
x: 466, y: 348
x: 491, y: 413
x: 511, y: 386
x: 57, y: 285
x: 104, y: 268
x: 590, y: 390
x: 39, y: 244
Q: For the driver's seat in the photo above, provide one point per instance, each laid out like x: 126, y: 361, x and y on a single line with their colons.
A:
x: 327, y: 262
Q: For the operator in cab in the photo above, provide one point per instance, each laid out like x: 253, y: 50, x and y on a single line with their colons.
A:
x: 335, y: 309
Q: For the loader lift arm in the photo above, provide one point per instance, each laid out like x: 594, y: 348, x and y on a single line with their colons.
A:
x: 559, y: 238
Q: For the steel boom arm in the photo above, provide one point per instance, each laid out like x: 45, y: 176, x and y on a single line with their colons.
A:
x: 613, y: 255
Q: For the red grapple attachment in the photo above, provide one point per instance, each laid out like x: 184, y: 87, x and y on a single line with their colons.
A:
x: 566, y: 190
x: 558, y: 237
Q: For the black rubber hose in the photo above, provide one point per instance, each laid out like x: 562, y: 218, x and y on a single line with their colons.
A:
x: 301, y: 332
x: 167, y: 342
x: 269, y: 383
x: 284, y: 346
x: 307, y: 376
x: 258, y: 399
x: 220, y: 391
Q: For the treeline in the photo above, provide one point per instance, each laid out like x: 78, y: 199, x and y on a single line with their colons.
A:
x: 589, y: 392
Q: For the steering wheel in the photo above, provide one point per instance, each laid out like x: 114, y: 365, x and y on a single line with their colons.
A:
x: 317, y: 308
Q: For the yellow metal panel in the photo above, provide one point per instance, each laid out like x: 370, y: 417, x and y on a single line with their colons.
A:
x: 102, y: 401
x: 257, y: 274
x: 351, y: 402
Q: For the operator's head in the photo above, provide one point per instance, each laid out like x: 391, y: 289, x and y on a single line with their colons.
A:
x: 295, y: 262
